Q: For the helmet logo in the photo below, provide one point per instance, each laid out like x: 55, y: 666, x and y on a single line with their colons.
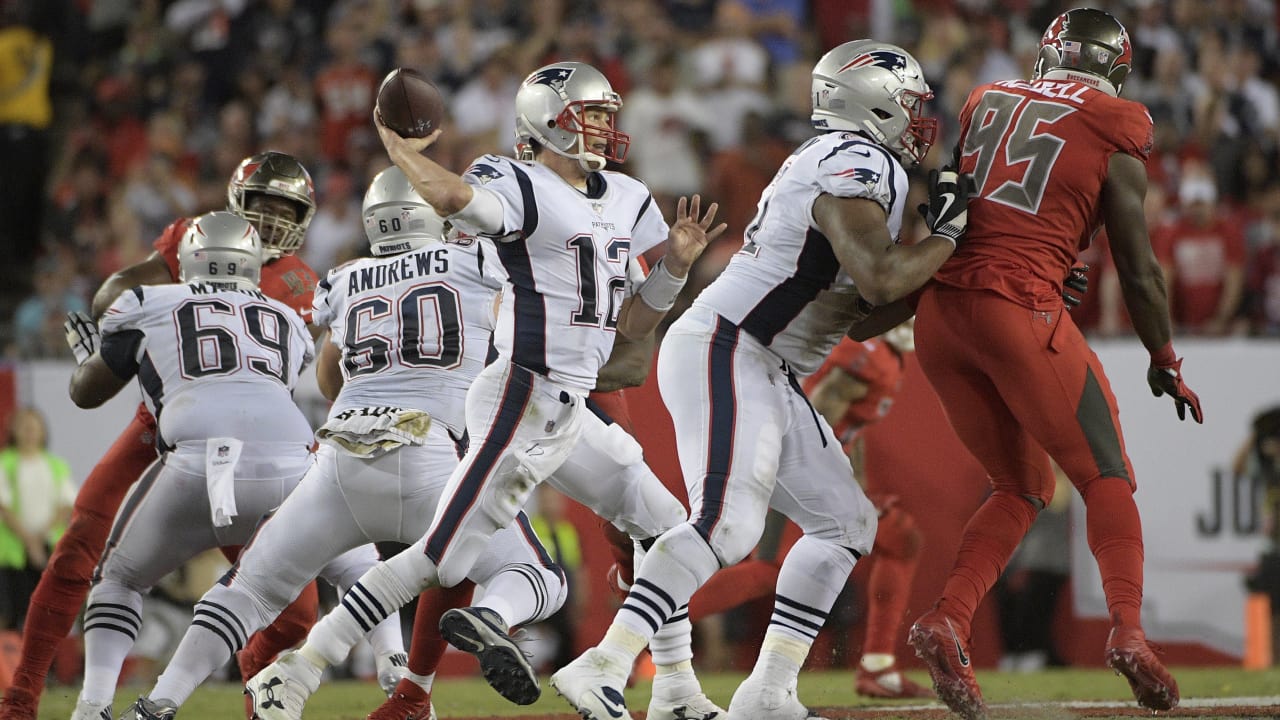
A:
x: 887, y: 59
x: 555, y: 77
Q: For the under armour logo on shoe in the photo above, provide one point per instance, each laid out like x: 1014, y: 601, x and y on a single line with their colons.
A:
x: 612, y: 701
x: 268, y: 689
x: 964, y: 659
x: 682, y: 713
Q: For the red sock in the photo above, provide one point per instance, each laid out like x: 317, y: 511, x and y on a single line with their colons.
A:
x: 893, y: 566
x: 622, y: 550
x: 990, y: 538
x: 427, y: 647
x: 1115, y: 537
x: 289, y: 629
x: 748, y: 580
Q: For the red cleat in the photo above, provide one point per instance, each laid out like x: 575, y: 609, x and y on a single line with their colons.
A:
x: 937, y: 643
x: 888, y: 683
x: 408, y: 702
x: 1130, y: 655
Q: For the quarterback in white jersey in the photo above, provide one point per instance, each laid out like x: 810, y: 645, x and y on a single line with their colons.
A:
x: 820, y: 248
x: 217, y: 361
x: 564, y: 231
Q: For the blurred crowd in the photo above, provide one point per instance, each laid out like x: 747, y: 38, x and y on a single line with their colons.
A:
x: 119, y: 116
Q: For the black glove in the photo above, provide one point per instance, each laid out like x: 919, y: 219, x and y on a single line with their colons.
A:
x: 1075, y: 286
x: 947, y: 212
x: 82, y: 335
x: 1167, y: 379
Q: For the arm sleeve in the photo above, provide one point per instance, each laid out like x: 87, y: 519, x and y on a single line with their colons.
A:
x: 122, y: 337
x: 859, y: 169
x: 650, y: 229
x: 507, y: 182
x: 322, y: 309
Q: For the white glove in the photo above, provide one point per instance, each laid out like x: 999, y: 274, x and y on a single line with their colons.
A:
x: 82, y: 336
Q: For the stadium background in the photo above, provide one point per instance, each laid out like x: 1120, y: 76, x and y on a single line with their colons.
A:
x: 119, y: 116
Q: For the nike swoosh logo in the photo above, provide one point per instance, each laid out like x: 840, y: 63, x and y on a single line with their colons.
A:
x: 950, y: 200
x: 964, y: 659
x: 609, y: 706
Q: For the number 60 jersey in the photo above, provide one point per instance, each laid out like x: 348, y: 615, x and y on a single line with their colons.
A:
x: 414, y: 328
x: 211, y: 363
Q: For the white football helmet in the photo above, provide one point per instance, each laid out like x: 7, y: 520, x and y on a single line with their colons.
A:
x: 550, y: 108
x: 876, y: 89
x: 396, y: 218
x: 281, y: 175
x: 222, y: 249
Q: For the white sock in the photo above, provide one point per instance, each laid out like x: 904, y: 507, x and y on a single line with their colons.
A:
x: 811, y: 578
x: 875, y: 662
x: 380, y: 592
x: 112, y: 620
x: 780, y: 660
x: 673, y: 643
x: 673, y: 569
x: 423, y: 681
x: 222, y: 622
x: 520, y: 594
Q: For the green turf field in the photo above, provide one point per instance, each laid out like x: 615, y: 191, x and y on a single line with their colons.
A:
x: 472, y: 698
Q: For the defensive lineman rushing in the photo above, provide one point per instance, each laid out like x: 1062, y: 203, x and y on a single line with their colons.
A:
x: 1015, y: 375
x: 408, y: 331
x: 564, y: 232
x: 747, y: 437
x: 217, y: 361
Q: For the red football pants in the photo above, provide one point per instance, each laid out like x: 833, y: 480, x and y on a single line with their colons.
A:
x: 65, y: 583
x: 1020, y: 386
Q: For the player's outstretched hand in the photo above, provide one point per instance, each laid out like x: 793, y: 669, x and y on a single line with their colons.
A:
x: 690, y: 234
x: 1075, y: 286
x: 1167, y: 379
x: 397, y: 144
x: 947, y: 212
x: 82, y: 336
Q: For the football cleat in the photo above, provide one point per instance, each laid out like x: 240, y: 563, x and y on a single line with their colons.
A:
x: 483, y: 633
x: 888, y: 683
x: 281, y: 690
x: 943, y: 650
x: 593, y: 685
x: 88, y: 710
x: 756, y: 699
x: 679, y: 696
x: 147, y: 709
x: 408, y: 702
x: 391, y: 670
x: 1130, y: 655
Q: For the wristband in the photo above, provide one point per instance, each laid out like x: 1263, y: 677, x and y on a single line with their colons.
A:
x: 948, y: 238
x: 1164, y: 357
x: 660, y: 290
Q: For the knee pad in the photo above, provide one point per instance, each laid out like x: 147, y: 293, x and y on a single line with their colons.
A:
x: 686, y: 547
x: 734, y: 541
x: 345, y: 570
x: 897, y: 535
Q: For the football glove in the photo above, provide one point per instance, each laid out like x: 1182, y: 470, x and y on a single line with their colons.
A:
x: 1167, y: 379
x: 947, y: 212
x: 1075, y: 286
x: 82, y: 336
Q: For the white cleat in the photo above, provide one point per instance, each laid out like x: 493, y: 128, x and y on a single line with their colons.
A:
x: 391, y: 670
x: 593, y: 686
x: 756, y: 700
x: 88, y: 710
x: 281, y: 690
x: 679, y: 696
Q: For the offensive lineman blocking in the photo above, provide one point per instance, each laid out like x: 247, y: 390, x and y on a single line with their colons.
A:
x: 822, y: 243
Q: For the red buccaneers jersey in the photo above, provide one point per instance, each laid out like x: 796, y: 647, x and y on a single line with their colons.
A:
x: 1039, y: 152
x: 874, y: 363
x: 286, y: 279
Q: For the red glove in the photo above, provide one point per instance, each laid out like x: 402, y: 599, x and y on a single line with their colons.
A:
x: 1165, y: 376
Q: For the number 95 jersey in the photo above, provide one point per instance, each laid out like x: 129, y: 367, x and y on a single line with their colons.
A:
x: 1039, y: 152
x: 211, y: 363
x: 413, y: 328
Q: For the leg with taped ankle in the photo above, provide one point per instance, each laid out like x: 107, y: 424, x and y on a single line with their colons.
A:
x: 383, y: 590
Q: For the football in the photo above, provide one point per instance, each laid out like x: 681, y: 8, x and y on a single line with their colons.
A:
x: 409, y: 104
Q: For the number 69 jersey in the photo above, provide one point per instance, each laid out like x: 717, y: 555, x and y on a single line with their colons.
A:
x: 413, y: 328
x: 211, y: 363
x: 785, y: 287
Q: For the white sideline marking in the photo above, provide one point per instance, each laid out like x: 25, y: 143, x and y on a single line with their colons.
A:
x: 1260, y: 701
